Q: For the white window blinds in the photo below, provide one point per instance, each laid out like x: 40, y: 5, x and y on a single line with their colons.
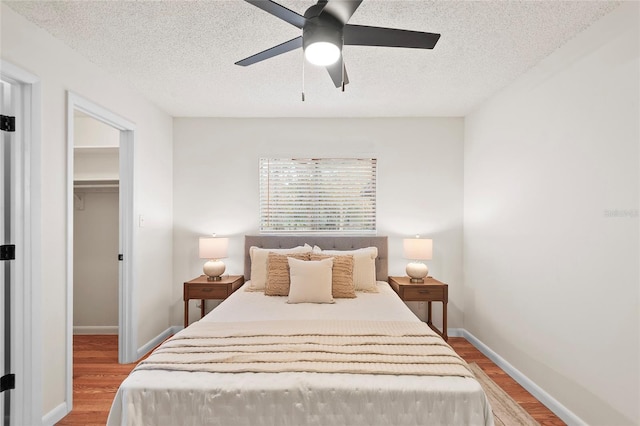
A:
x: 330, y: 195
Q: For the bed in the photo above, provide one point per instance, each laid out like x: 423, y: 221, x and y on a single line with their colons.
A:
x: 255, y: 389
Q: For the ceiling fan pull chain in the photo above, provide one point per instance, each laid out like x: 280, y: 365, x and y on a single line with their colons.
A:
x: 343, y: 69
x: 303, y: 79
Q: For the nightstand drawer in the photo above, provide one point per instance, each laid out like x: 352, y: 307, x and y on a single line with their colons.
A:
x: 423, y: 293
x: 207, y: 292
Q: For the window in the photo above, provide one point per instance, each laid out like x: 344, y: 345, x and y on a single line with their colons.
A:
x: 319, y: 195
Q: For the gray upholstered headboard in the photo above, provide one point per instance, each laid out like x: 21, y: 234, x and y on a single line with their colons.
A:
x: 324, y: 242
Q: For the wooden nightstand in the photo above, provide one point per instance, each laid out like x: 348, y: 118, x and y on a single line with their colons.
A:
x: 201, y: 288
x: 431, y: 291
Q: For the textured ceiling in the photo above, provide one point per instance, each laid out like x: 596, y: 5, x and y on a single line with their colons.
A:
x: 181, y: 54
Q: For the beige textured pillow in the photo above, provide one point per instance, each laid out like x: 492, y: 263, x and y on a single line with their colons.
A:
x: 259, y: 264
x: 342, y: 285
x: 278, y: 273
x: 310, y: 281
x: 364, y: 266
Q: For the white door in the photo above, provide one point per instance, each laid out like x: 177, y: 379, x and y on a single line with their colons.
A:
x: 6, y: 173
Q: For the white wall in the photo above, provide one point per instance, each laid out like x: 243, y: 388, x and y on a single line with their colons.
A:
x: 61, y: 69
x: 551, y: 276
x: 419, y: 185
x: 95, y: 263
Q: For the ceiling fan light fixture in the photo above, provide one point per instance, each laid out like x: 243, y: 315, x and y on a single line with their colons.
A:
x: 322, y: 53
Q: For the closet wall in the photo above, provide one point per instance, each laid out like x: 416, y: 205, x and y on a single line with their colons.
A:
x: 96, y: 227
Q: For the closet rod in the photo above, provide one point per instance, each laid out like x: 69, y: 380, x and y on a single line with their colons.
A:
x: 90, y: 184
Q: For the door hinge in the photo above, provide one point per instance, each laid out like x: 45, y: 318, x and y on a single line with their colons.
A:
x: 8, y: 252
x: 7, y: 382
x: 120, y: 257
x: 7, y: 123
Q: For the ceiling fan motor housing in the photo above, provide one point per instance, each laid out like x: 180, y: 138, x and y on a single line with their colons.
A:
x: 325, y: 28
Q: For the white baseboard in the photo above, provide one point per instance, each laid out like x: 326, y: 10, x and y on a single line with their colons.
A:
x: 540, y: 394
x: 455, y: 332
x: 148, y: 347
x: 95, y: 329
x: 55, y: 415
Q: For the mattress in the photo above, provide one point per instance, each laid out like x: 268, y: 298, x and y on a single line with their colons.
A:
x: 293, y: 398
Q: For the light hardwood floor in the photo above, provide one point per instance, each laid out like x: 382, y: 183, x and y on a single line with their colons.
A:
x: 97, y: 375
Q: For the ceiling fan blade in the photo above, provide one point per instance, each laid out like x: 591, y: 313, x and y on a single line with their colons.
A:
x: 285, y: 47
x: 342, y: 9
x: 335, y: 71
x: 362, y: 35
x: 280, y: 11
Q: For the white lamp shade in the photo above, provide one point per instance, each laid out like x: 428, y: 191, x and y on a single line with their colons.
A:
x: 213, y: 248
x: 418, y: 248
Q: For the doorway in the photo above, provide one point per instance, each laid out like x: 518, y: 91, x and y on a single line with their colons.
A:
x: 95, y: 226
x: 103, y: 181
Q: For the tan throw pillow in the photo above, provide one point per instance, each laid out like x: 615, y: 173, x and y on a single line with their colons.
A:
x: 310, y: 281
x: 364, y: 266
x: 278, y: 273
x: 259, y: 264
x: 342, y: 285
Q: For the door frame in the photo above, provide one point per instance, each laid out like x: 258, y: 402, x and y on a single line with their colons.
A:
x: 26, y: 322
x: 127, y: 318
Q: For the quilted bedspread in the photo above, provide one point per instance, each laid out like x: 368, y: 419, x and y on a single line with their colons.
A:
x: 360, y: 347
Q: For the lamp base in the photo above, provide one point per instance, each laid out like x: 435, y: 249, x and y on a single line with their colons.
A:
x: 417, y: 271
x: 213, y: 269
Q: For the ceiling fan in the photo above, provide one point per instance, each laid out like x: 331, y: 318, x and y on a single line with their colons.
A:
x: 325, y: 31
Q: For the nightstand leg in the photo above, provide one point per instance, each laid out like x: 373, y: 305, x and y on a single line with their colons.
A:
x: 429, y: 313
x: 444, y: 321
x: 186, y: 313
x: 202, y: 308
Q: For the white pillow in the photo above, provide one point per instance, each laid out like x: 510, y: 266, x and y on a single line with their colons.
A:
x: 259, y: 264
x: 364, y: 266
x: 310, y: 281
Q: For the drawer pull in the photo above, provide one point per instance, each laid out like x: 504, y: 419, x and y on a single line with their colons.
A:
x: 423, y: 291
x: 207, y: 290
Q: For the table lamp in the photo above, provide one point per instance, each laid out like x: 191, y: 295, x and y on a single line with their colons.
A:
x: 417, y: 249
x: 214, y: 249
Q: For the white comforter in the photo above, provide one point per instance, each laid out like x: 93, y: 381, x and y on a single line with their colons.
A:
x: 185, y: 398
